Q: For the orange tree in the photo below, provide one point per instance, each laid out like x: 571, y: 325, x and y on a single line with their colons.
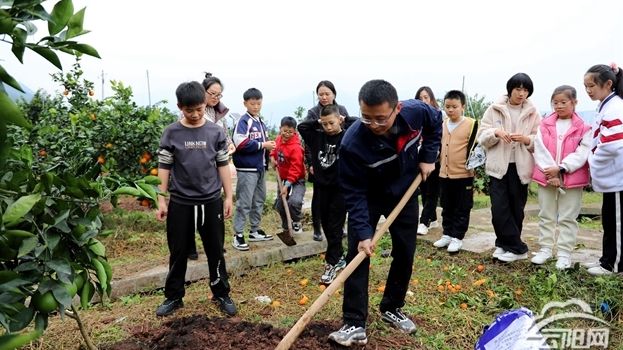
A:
x: 71, y: 127
x: 49, y: 211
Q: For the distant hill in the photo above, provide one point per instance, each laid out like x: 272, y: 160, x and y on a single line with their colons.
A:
x: 15, y: 94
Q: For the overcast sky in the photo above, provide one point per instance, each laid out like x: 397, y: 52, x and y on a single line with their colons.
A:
x: 285, y: 48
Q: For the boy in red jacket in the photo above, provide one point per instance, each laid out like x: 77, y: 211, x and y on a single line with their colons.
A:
x: 288, y: 156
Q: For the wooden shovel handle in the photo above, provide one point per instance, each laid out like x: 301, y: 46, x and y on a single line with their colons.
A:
x: 296, y: 330
x: 285, y: 204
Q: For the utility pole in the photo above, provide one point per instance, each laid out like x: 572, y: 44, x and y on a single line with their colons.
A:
x: 463, y: 86
x: 148, y: 89
x: 103, y: 81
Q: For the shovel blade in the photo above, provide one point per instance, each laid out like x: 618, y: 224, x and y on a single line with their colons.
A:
x: 287, y: 238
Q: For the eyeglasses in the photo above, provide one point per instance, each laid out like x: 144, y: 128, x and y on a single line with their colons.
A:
x: 561, y: 103
x: 288, y: 132
x: 214, y: 95
x: 379, y: 122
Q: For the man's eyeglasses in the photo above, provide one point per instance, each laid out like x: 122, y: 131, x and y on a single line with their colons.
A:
x: 379, y: 122
x: 214, y: 95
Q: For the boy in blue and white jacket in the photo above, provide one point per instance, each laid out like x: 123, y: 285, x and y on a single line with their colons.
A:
x: 251, y: 161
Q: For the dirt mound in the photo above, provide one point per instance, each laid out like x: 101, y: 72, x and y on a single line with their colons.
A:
x: 200, y: 332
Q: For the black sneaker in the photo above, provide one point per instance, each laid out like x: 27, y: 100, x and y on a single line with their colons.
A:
x: 317, y: 235
x: 193, y: 256
x: 168, y: 306
x: 239, y: 243
x: 227, y: 305
x: 399, y: 320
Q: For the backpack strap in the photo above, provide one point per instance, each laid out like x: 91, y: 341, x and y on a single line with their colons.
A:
x: 471, y: 143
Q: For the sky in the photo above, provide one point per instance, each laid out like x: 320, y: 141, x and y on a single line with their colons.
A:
x: 284, y: 48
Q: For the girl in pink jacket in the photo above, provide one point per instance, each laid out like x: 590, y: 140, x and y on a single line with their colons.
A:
x: 561, y: 150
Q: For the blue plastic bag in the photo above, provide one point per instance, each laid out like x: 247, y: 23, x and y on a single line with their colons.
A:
x: 512, y: 330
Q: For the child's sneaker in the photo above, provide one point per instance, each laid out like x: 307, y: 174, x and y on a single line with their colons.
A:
x: 422, y: 229
x: 259, y: 236
x: 433, y: 224
x: 239, y: 243
x: 328, y: 275
x: 542, y: 256
x: 455, y: 245
x: 340, y: 264
x: 297, y: 227
x: 564, y: 262
x: 443, y: 241
x: 349, y: 335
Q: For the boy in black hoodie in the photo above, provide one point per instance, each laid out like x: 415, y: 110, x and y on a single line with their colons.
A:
x: 323, y: 137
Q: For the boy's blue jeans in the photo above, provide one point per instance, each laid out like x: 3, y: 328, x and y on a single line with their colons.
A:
x: 250, y: 197
x: 403, y: 232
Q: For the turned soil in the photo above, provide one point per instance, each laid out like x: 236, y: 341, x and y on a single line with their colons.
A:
x: 200, y: 332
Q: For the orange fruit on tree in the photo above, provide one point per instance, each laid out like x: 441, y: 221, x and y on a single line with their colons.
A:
x: 147, y: 156
x: 276, y: 303
x: 109, y: 145
x: 304, y: 282
x: 145, y: 203
x: 144, y: 170
x: 381, y: 289
x: 101, y: 160
x: 43, y: 153
x: 441, y: 288
x: 154, y: 172
x: 92, y: 116
x: 463, y: 306
x: 143, y: 160
x: 480, y: 268
x: 66, y: 92
x: 91, y: 93
x: 44, y: 303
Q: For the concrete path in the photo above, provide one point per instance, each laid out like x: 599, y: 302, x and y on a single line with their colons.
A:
x: 479, y: 239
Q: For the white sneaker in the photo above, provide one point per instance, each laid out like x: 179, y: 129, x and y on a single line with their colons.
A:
x: 542, y: 256
x: 599, y: 271
x: 592, y: 264
x: 443, y: 241
x: 422, y: 229
x: 297, y: 227
x: 455, y: 245
x: 433, y: 224
x: 498, y: 252
x: 563, y: 262
x: 510, y: 257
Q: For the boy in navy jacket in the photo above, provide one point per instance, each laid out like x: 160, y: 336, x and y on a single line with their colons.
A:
x: 378, y: 161
x: 251, y: 161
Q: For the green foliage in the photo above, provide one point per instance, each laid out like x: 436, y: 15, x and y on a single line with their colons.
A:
x: 298, y: 113
x: 71, y: 129
x: 16, y: 25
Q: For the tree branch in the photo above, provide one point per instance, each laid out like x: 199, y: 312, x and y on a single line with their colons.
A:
x: 83, y: 331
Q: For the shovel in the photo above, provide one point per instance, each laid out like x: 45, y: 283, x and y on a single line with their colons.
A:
x: 296, y: 330
x: 285, y: 236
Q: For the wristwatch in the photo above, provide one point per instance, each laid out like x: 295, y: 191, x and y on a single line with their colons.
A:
x: 562, y: 170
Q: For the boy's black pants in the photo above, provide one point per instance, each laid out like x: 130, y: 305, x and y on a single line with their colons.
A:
x: 611, y: 221
x: 332, y: 217
x: 457, y: 200
x: 403, y: 232
x: 315, y: 208
x: 182, y: 222
x: 430, y: 196
x: 508, y: 200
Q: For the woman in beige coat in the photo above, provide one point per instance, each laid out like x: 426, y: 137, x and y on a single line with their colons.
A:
x: 507, y: 134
